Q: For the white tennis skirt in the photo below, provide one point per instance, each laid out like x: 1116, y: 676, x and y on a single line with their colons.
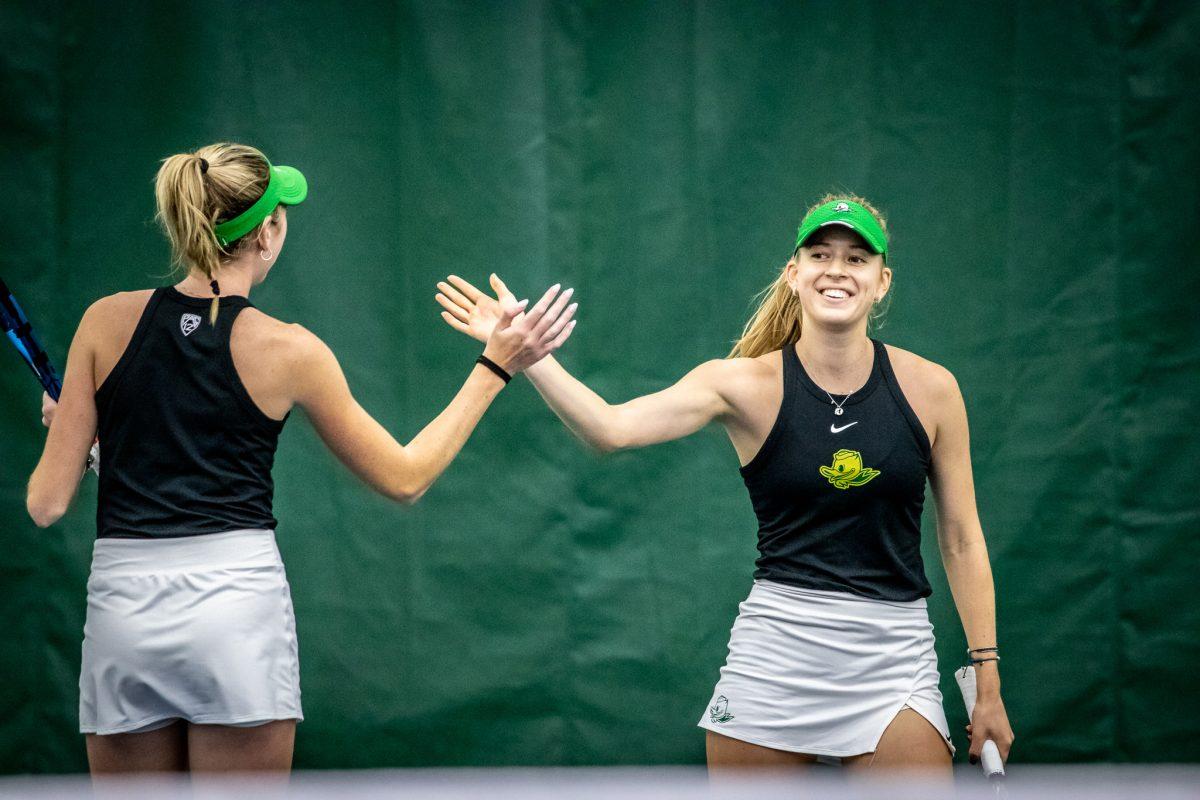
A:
x: 198, y: 628
x: 824, y: 673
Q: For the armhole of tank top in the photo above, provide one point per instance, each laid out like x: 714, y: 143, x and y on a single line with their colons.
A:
x: 906, y: 410
x: 771, y: 443
x: 235, y: 380
x: 113, y: 379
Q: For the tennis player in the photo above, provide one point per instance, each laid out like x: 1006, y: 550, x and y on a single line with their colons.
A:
x: 189, y: 651
x: 832, y: 654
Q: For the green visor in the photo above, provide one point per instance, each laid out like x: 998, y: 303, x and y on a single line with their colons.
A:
x: 847, y: 213
x: 286, y: 185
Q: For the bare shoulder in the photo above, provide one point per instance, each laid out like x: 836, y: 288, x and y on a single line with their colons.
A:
x: 280, y: 363
x: 116, y: 311
x: 734, y: 375
x: 748, y: 384
x: 930, y: 389
x: 925, y: 376
x: 286, y: 342
x: 765, y: 366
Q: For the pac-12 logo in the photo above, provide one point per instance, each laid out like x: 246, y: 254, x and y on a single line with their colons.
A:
x: 189, y: 323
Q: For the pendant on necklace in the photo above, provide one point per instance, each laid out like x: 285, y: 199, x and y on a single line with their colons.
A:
x: 837, y: 412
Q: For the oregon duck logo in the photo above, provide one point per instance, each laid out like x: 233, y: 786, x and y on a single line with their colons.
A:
x: 847, y: 470
x: 719, y: 710
x: 842, y: 207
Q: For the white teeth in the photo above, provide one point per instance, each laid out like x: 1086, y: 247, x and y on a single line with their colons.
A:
x: 839, y: 294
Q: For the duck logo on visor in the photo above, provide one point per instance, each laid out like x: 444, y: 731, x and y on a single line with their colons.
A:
x: 841, y: 207
x: 188, y: 323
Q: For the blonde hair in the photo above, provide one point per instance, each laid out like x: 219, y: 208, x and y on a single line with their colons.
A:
x: 776, y: 320
x: 195, y: 191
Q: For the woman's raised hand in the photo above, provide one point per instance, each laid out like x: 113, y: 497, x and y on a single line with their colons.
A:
x: 516, y: 338
x: 469, y: 310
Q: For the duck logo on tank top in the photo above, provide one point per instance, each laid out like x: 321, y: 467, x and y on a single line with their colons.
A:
x: 848, y: 470
x: 189, y: 323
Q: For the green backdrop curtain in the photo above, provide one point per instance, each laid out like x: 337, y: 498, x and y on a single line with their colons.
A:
x: 543, y: 605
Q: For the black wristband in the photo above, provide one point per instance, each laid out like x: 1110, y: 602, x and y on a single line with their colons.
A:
x: 494, y: 367
x: 971, y: 650
x: 975, y: 661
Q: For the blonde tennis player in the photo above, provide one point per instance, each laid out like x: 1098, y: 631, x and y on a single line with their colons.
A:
x: 832, y: 653
x: 189, y: 654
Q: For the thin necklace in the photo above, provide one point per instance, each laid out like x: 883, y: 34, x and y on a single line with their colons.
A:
x: 837, y: 407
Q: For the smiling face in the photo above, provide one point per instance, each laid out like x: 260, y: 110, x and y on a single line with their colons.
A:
x: 837, y: 278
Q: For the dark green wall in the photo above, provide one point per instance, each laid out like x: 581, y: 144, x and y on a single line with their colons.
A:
x: 545, y: 606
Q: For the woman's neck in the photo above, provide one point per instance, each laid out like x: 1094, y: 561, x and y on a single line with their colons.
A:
x: 838, y: 361
x: 233, y: 282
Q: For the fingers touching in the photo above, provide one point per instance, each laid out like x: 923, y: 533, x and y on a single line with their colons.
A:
x: 530, y: 331
x: 510, y: 309
x: 498, y: 286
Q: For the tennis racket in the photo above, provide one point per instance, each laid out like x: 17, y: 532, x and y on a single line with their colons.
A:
x: 19, y: 331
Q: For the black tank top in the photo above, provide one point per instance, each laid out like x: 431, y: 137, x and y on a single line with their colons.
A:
x: 184, y: 450
x: 839, y: 498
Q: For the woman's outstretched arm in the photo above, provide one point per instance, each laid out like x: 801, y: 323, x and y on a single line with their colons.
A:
x: 679, y: 410
x: 405, y: 472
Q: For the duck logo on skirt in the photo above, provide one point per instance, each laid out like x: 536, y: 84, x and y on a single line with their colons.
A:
x: 719, y: 710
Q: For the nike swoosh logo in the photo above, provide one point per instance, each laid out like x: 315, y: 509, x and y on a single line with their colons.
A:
x: 832, y: 429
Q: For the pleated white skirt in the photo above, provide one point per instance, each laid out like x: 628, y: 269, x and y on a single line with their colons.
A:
x: 197, y: 628
x: 824, y: 673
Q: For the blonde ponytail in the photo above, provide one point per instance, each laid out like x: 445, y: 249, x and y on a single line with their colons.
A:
x: 776, y: 321
x: 195, y: 191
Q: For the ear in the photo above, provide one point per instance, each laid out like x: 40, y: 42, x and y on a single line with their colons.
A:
x: 791, y: 272
x: 266, y: 232
x: 885, y: 283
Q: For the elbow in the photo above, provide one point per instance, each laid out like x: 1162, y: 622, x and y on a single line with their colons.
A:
x: 960, y: 539
x: 609, y: 439
x: 409, y: 499
x: 604, y: 446
x: 406, y: 494
x: 43, y: 513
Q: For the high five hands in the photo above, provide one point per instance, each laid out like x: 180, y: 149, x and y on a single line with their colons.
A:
x: 503, y: 323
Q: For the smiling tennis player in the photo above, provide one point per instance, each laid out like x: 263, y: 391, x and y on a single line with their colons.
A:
x: 832, y: 653
x: 189, y: 653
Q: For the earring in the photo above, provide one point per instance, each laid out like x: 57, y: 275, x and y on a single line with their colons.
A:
x: 265, y: 255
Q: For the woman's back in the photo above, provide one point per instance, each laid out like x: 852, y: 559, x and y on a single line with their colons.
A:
x: 187, y: 451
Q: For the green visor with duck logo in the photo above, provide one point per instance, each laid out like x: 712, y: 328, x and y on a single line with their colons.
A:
x: 850, y: 214
x: 286, y: 185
